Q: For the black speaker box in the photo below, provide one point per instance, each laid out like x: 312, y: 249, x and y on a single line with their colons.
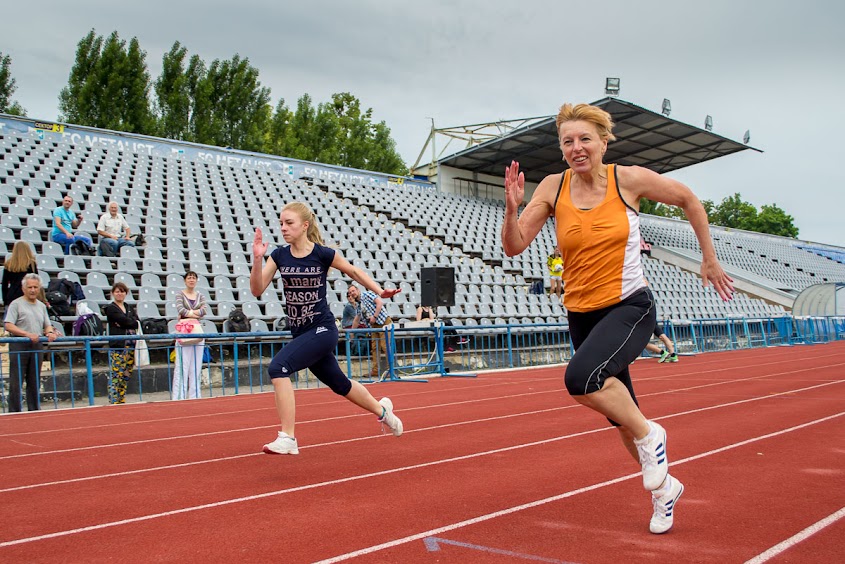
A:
x: 438, y: 286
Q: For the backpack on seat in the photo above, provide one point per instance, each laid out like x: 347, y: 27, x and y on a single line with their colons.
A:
x: 88, y: 325
x: 81, y: 248
x: 238, y: 321
x: 153, y: 326
x: 105, y: 249
x: 61, y: 295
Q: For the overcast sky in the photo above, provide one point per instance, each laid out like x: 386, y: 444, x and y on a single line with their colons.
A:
x: 771, y: 66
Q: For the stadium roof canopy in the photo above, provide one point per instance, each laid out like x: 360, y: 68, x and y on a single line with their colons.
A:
x: 643, y: 138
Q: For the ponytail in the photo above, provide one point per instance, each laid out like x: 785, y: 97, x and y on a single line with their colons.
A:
x: 313, y: 233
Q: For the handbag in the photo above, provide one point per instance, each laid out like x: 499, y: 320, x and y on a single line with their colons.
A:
x: 187, y: 327
x: 142, y: 351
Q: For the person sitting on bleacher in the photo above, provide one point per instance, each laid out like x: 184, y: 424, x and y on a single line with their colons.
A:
x: 114, y: 232
x: 64, y: 222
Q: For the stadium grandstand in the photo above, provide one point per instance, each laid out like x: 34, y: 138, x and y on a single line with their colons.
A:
x: 198, y: 206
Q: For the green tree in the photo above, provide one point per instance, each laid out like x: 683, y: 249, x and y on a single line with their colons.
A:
x: 299, y: 133
x: 384, y: 156
x: 173, y: 95
x: 7, y: 88
x: 75, y: 99
x: 279, y: 134
x: 238, y: 106
x: 200, y: 128
x: 325, y: 137
x: 735, y: 213
x: 109, y: 86
x: 775, y: 221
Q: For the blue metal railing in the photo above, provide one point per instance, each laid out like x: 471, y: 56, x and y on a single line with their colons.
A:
x: 75, y: 370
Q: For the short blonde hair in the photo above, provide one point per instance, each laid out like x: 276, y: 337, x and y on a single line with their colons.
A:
x: 585, y: 112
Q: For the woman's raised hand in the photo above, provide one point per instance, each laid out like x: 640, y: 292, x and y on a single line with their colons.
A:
x: 258, y: 246
x: 514, y: 186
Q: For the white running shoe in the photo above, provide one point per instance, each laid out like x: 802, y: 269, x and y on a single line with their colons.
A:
x: 652, y: 451
x: 284, y: 444
x: 389, y: 418
x: 664, y: 507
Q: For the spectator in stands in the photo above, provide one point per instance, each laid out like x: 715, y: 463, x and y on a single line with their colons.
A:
x: 190, y: 306
x: 350, y: 310
x: 114, y: 232
x: 27, y: 317
x: 122, y: 320
x: 17, y: 265
x: 555, y: 266
x: 450, y: 337
x: 610, y: 309
x: 668, y: 354
x: 372, y: 308
x: 304, y: 264
x: 64, y: 222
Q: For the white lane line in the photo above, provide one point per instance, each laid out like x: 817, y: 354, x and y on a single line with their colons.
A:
x: 449, y: 404
x: 431, y: 428
x: 432, y: 532
x: 300, y: 406
x: 487, y: 517
x: 795, y: 539
x: 244, y: 397
x: 273, y: 426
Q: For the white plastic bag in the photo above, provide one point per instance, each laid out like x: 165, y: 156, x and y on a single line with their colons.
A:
x: 142, y: 352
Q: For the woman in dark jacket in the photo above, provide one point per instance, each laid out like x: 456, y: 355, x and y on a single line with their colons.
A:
x: 17, y: 265
x: 122, y: 320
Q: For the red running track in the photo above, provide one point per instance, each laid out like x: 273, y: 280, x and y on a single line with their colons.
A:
x: 502, y: 468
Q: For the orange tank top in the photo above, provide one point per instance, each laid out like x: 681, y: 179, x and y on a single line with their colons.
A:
x: 600, y: 248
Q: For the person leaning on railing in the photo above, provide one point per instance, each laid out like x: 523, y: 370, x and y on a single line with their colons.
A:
x: 27, y: 317
x: 122, y: 320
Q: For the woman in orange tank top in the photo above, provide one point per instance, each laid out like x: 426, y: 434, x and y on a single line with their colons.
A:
x: 610, y: 310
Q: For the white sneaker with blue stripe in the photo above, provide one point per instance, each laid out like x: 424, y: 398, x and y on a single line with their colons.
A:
x: 664, y: 507
x: 652, y: 452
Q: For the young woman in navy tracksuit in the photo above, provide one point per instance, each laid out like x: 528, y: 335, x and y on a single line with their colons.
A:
x: 304, y: 264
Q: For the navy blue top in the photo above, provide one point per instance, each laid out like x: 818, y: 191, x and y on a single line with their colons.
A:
x: 304, y: 282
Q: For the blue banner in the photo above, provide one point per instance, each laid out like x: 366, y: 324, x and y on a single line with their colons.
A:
x: 152, y: 146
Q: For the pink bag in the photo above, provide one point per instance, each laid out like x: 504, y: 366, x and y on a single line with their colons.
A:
x: 187, y: 327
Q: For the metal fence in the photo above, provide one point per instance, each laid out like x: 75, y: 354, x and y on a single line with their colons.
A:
x: 75, y: 371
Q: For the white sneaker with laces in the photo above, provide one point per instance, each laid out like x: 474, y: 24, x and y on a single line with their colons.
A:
x: 284, y: 444
x: 664, y: 507
x: 389, y: 418
x: 652, y: 451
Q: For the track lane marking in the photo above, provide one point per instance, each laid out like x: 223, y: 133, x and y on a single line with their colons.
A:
x: 797, y: 538
x: 510, y: 510
x: 430, y: 428
x: 432, y: 532
x: 244, y: 397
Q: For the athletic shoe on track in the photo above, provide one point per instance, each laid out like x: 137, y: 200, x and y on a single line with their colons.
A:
x: 652, y: 451
x: 673, y: 358
x: 284, y: 444
x: 664, y: 507
x: 389, y: 418
x: 663, y: 356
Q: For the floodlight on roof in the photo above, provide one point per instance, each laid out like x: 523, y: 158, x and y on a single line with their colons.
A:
x: 708, y: 123
x: 747, y: 137
x: 667, y: 107
x: 611, y: 86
